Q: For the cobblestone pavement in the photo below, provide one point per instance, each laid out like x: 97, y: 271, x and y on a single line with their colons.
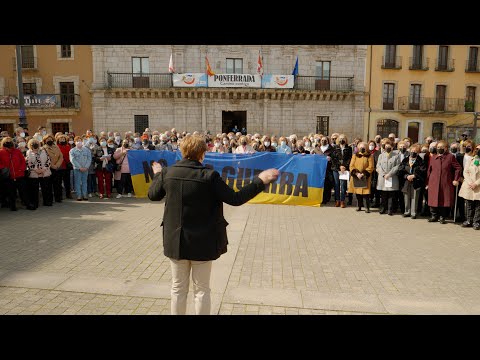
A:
x: 106, y: 257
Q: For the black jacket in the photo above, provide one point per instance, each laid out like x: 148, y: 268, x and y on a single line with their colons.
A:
x: 193, y: 224
x: 339, y: 159
x: 99, y: 162
x: 418, y: 169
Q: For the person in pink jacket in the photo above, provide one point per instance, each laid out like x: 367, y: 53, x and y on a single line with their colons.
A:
x: 120, y: 156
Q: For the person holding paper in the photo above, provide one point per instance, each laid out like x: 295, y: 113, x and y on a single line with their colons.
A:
x: 387, y: 183
x: 361, y: 168
x: 341, y: 157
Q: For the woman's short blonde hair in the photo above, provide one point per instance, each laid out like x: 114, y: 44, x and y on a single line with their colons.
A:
x: 193, y: 147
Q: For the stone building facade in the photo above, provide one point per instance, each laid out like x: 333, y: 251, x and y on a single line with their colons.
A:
x: 328, y: 95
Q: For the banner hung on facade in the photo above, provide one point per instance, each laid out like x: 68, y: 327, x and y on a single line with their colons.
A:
x: 37, y: 101
x: 235, y: 81
x: 272, y: 81
x: 301, y: 179
x: 190, y: 80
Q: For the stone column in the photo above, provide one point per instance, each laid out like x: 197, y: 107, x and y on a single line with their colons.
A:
x: 265, y: 120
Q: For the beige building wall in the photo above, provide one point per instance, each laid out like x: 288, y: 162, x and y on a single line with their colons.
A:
x: 50, y: 69
x: 454, y: 121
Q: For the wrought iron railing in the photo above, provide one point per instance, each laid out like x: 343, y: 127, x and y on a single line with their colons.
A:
x: 416, y: 63
x: 139, y: 80
x: 445, y: 64
x: 406, y: 103
x: 391, y: 62
x: 472, y: 66
x: 42, y: 101
x: 333, y: 83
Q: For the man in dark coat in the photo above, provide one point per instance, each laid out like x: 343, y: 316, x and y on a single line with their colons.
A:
x: 442, y: 176
x: 455, y: 151
x: 194, y: 229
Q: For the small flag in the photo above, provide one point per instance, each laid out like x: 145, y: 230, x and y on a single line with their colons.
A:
x: 209, y: 69
x: 295, y: 69
x: 171, y: 69
x: 259, y: 65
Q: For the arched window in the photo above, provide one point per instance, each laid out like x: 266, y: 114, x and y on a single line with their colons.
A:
x: 387, y: 126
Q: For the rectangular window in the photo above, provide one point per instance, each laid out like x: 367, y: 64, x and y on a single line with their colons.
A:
x: 66, y: 51
x: 440, y: 98
x: 443, y: 58
x: 60, y: 127
x: 28, y: 59
x: 390, y: 56
x: 141, y: 123
x: 473, y: 59
x: 67, y: 95
x: 388, y: 96
x: 417, y: 57
x: 415, y: 90
x: 470, y: 99
x: 29, y: 88
x: 322, y: 125
x: 234, y: 66
x: 437, y: 131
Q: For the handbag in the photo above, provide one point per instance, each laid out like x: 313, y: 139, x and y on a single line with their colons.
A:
x: 118, y: 167
x: 5, y: 173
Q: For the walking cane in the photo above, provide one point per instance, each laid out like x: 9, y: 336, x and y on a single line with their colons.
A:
x: 456, y: 199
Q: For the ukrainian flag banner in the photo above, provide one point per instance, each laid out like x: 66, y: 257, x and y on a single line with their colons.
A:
x: 300, y: 182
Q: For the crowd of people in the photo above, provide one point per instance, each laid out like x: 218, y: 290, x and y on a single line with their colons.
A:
x: 432, y: 179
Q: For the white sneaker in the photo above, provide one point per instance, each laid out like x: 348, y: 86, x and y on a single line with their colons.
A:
x: 129, y: 195
x: 90, y: 195
x: 119, y: 196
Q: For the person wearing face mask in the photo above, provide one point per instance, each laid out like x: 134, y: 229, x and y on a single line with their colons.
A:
x: 460, y: 210
x: 470, y: 190
x: 39, y: 164
x: 66, y: 166
x: 267, y: 145
x: 307, y: 144
x: 374, y: 193
x: 164, y: 144
x: 22, y: 146
x: 334, y: 138
x: 301, y: 148
x: 243, y: 147
x: 442, y: 176
x: 361, y: 166
x: 464, y: 138
x: 81, y: 158
x: 423, y: 208
x: 293, y: 144
x: 217, y: 146
x: 118, y: 140
x: 282, y: 147
x: 341, y: 157
x: 413, y: 172
x: 274, y: 141
x: 429, y: 140
x: 12, y: 173
x: 194, y: 229
x: 125, y: 184
x: 324, y: 148
x: 226, y: 145
x: 387, y: 166
x: 408, y: 142
x: 468, y: 147
x: 397, y: 196
x: 146, y: 145
x: 93, y: 145
x: 104, y: 167
x: 378, y: 144
x: 56, y: 161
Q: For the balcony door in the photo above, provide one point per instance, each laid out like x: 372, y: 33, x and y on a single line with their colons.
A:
x: 140, y: 70
x: 67, y: 95
x: 440, y: 98
x: 322, y: 75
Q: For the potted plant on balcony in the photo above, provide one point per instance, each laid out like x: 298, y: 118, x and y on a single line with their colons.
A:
x: 469, y: 106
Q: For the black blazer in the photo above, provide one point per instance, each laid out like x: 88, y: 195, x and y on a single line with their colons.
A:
x: 193, y: 224
x: 99, y: 154
x: 419, y: 169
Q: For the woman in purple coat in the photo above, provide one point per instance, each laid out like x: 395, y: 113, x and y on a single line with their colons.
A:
x: 443, y: 174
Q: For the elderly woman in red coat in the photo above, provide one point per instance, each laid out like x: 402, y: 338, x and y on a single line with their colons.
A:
x: 443, y: 174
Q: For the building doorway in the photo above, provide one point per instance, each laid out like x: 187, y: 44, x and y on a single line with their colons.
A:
x: 413, y: 131
x: 230, y: 119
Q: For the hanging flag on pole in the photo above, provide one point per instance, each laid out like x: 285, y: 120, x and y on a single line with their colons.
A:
x: 259, y: 65
x: 209, y: 69
x: 295, y: 69
x: 171, y: 69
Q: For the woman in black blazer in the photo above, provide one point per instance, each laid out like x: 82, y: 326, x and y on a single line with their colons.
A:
x: 194, y: 229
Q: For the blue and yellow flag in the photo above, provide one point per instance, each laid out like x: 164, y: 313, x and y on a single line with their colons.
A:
x: 301, y: 179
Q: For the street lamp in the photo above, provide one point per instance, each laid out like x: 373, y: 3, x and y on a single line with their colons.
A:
x: 22, y: 117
